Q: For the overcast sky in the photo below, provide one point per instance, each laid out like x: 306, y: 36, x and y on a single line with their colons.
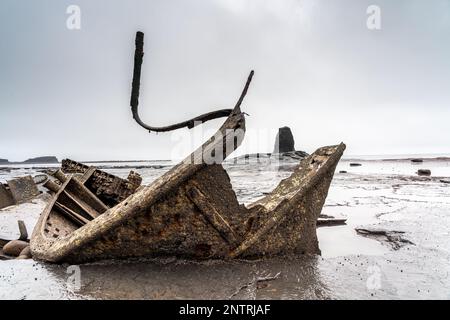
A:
x: 318, y: 69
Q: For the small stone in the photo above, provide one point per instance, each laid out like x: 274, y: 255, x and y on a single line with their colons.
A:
x: 354, y: 164
x: 445, y: 180
x: 26, y: 252
x: 342, y: 171
x: 417, y: 160
x: 14, y: 247
x: 424, y: 172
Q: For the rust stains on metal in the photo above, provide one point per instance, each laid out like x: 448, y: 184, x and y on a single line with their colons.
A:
x: 109, y: 188
x: 17, y: 191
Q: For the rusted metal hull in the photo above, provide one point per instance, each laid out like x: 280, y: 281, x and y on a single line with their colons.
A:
x: 109, y: 188
x: 17, y: 191
x: 192, y: 212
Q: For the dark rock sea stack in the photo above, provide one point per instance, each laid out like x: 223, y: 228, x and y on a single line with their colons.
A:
x: 284, y: 149
x: 424, y: 172
x: 284, y: 141
x: 46, y: 159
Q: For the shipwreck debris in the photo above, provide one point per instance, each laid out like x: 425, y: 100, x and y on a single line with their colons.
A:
x: 330, y: 222
x: 190, y: 211
x: 255, y: 284
x: 40, y: 178
x: 393, y: 238
x: 134, y: 102
x: 109, y: 188
x: 17, y: 191
x: 22, y: 230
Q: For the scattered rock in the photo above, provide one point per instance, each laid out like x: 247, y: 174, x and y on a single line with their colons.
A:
x: 354, y: 164
x: 284, y: 141
x: 417, y: 160
x: 394, y: 238
x: 445, y: 180
x: 14, y: 247
x: 4, y: 257
x: 25, y: 253
x: 424, y: 172
x: 342, y: 171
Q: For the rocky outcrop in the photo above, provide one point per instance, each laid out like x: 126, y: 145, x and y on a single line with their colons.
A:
x: 284, y: 149
x: 284, y: 141
x: 4, y: 161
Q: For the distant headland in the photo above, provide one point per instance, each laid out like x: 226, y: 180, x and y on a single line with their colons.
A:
x: 45, y: 159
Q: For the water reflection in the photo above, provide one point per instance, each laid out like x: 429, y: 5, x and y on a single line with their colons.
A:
x: 299, y: 278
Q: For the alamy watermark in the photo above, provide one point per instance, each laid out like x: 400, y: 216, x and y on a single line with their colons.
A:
x: 73, y: 21
x: 373, y: 281
x: 374, y: 17
x: 74, y: 278
x: 210, y: 147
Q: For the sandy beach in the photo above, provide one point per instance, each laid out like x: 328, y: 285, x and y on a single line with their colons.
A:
x: 405, y: 255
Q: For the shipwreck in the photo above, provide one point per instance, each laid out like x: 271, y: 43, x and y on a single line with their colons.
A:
x: 191, y: 211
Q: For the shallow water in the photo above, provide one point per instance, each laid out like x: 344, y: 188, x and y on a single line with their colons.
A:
x: 381, y: 194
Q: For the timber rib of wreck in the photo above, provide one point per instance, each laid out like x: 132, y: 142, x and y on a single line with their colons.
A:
x: 191, y: 211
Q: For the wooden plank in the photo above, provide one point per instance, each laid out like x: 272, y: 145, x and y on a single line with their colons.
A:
x: 80, y: 220
x: 85, y: 177
x: 23, y: 230
x: 330, y: 222
x: 83, y: 206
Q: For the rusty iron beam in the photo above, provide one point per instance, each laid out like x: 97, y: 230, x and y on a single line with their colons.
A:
x: 134, y: 102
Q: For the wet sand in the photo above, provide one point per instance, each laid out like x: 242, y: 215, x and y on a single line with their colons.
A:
x: 380, y: 195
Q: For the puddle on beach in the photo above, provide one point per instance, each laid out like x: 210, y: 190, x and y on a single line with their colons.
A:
x: 351, y: 266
